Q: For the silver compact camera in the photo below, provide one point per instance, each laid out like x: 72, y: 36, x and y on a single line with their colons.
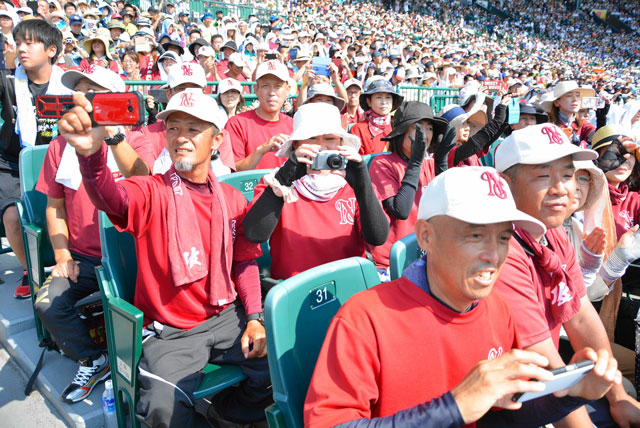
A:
x: 329, y: 159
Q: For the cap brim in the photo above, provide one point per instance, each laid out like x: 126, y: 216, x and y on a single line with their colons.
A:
x: 520, y: 219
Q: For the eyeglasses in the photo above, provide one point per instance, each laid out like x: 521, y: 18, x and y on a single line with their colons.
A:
x: 584, y: 179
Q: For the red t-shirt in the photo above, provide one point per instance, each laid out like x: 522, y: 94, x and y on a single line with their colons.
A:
x: 311, y: 233
x: 626, y: 212
x: 520, y: 284
x: 394, y: 346
x: 82, y: 216
x: 156, y: 295
x: 149, y: 141
x: 248, y: 131
x: 370, y: 144
x: 387, y: 172
x: 348, y: 119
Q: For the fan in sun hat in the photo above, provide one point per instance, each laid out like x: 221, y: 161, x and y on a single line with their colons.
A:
x: 563, y: 88
x: 538, y: 144
x: 312, y: 120
x: 613, y: 156
x: 597, y: 185
x: 411, y: 112
x: 89, y: 42
x: 327, y: 90
x: 380, y: 85
x: 195, y: 103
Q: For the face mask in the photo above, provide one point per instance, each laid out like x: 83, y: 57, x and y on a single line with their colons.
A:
x: 61, y: 25
x: 90, y: 23
x: 612, y: 157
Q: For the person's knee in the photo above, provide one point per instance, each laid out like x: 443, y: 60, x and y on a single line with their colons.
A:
x: 10, y: 218
x: 50, y: 299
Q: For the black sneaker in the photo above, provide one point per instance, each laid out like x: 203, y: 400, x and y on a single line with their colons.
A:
x: 90, y: 373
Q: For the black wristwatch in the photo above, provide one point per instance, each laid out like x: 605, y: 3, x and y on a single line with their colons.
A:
x: 256, y: 317
x: 116, y: 138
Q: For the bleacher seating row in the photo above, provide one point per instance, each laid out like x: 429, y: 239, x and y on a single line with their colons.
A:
x: 297, y: 311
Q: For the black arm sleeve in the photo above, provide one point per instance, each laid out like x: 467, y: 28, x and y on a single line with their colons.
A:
x: 485, y: 137
x: 373, y: 222
x: 262, y: 218
x: 399, y: 206
x: 601, y: 116
x: 443, y: 412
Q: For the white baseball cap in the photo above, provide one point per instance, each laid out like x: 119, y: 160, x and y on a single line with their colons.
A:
x: 98, y: 75
x: 476, y: 195
x: 306, y: 125
x: 538, y: 144
x: 186, y: 72
x: 197, y: 104
x: 275, y: 68
x: 206, y: 51
x: 229, y: 84
x: 352, y: 82
x: 237, y: 59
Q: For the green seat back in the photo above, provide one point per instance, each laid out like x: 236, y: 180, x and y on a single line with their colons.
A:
x: 403, y: 253
x: 297, y: 314
x: 368, y: 158
x: 439, y: 101
x: 118, y: 258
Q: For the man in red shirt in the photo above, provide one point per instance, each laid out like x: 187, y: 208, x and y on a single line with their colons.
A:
x: 541, y: 280
x: 352, y: 113
x: 436, y: 348
x: 197, y: 282
x: 72, y: 223
x: 257, y: 134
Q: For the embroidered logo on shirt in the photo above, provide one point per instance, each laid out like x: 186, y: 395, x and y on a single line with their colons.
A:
x: 233, y: 230
x: 495, y: 353
x: 628, y: 220
x: 561, y: 294
x: 496, y: 186
x: 192, y: 259
x: 554, y: 136
x: 347, y: 210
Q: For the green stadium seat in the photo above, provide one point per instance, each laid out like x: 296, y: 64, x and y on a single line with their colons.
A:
x: 439, y: 101
x: 124, y: 323
x: 369, y: 158
x: 403, y: 253
x: 297, y: 314
x: 32, y: 213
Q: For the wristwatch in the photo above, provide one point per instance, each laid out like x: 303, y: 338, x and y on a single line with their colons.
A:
x: 256, y: 317
x: 115, y: 139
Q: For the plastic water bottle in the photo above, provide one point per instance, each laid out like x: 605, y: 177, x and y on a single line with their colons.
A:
x: 109, y: 406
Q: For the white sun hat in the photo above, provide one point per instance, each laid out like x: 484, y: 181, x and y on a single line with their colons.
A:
x: 312, y: 120
x: 563, y: 88
x: 538, y: 144
x: 476, y: 195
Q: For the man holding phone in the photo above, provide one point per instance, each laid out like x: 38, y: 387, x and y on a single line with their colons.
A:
x: 436, y: 347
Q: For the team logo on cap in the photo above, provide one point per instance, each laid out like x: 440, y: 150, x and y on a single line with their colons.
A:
x: 271, y: 66
x: 554, y: 136
x: 186, y: 70
x: 187, y: 99
x: 496, y: 186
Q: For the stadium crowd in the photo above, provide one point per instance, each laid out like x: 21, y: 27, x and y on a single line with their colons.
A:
x: 507, y: 144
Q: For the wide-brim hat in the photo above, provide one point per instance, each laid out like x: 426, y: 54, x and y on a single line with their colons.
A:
x: 411, y: 112
x: 456, y: 116
x: 563, y: 88
x: 380, y: 85
x: 306, y: 125
x: 325, y: 89
x: 87, y: 45
x: 231, y: 45
x: 606, y: 135
x: 197, y: 42
x: 173, y: 43
x: 597, y: 185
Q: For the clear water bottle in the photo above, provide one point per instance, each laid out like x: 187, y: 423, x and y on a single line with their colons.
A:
x: 109, y: 406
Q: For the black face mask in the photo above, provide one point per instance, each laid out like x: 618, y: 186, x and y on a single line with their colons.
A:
x: 613, y: 156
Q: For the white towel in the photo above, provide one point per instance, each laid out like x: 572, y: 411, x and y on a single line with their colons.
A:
x: 69, y: 169
x: 26, y: 126
x: 163, y: 163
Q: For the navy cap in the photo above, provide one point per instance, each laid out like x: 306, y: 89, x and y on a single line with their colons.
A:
x: 375, y: 54
x: 183, y: 14
x: 206, y: 15
x: 75, y: 19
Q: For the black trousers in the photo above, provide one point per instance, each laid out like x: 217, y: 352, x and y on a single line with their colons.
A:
x: 171, y: 369
x: 55, y: 306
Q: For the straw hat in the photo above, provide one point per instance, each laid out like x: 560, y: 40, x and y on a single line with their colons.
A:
x: 88, y: 43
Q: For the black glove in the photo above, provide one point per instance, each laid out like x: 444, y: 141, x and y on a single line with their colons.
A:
x: 291, y: 171
x: 418, y: 147
x: 443, y: 149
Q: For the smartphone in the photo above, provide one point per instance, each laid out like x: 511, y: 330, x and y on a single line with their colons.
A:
x: 271, y: 55
x: 589, y: 103
x: 142, y: 45
x: 159, y: 95
x: 320, y: 66
x: 563, y: 377
x: 118, y: 108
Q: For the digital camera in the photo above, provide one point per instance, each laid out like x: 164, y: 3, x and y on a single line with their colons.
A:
x: 329, y: 159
